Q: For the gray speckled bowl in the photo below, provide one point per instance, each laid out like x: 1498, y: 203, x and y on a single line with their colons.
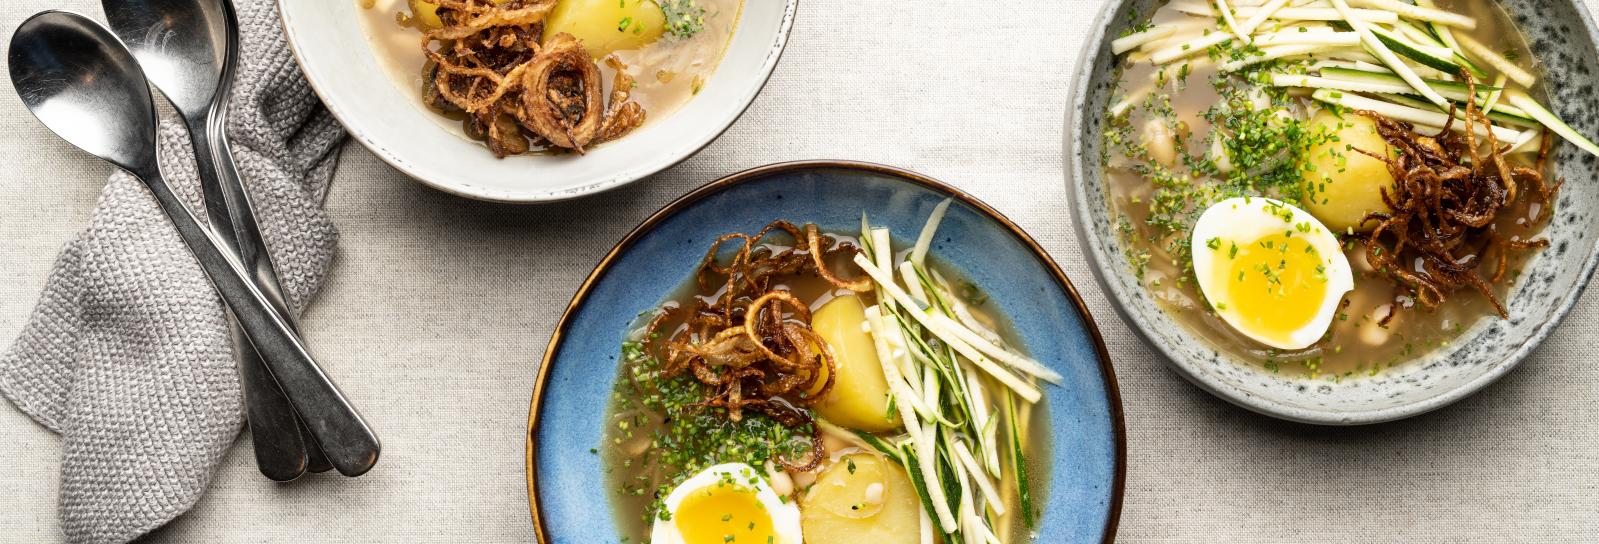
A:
x: 1562, y: 35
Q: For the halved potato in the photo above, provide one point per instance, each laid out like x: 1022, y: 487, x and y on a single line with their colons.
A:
x: 859, y: 398
x: 862, y: 498
x: 606, y: 26
x: 1342, y: 185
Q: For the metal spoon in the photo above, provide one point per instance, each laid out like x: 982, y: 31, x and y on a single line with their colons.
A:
x: 84, y: 85
x: 189, y: 50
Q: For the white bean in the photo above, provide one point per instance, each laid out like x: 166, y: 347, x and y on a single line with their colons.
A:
x: 1160, y: 141
x: 1218, y: 154
x: 1371, y: 332
x: 781, y: 483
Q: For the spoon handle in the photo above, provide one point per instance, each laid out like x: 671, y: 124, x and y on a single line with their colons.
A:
x: 276, y: 435
x: 349, y: 443
x: 284, y: 448
x: 253, y: 252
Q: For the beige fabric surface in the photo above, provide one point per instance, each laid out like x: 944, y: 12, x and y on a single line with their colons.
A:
x: 437, y: 309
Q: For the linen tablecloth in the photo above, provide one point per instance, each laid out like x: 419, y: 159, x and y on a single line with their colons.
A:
x: 438, y: 308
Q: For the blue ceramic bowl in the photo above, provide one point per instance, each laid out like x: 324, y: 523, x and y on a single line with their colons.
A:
x: 565, y: 480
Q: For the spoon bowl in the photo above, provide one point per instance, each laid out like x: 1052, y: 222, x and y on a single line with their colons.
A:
x: 87, y: 91
x: 185, y: 66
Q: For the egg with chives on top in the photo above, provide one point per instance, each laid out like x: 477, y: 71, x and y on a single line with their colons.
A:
x: 1270, y: 270
x: 730, y: 502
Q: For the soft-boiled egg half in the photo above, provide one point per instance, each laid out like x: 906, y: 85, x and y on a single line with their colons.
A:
x: 1271, y: 270
x: 727, y: 503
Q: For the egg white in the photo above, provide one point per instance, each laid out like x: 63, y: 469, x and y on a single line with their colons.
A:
x: 1252, y: 218
x: 785, y: 515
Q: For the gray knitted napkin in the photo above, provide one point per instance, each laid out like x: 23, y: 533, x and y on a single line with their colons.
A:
x: 127, y: 354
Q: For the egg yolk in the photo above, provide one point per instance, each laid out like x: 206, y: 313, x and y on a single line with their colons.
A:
x: 1275, y: 285
x: 723, y: 513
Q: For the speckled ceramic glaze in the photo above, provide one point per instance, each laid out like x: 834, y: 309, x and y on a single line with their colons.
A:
x: 566, y: 482
x: 1561, y: 34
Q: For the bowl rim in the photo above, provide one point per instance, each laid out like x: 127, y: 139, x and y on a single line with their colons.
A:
x: 1102, y: 353
x: 1102, y: 267
x: 629, y: 176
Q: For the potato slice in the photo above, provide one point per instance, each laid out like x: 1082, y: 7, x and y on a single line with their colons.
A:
x: 859, y: 398
x: 1343, y: 185
x: 862, y: 498
x: 850, y: 493
x: 607, y: 26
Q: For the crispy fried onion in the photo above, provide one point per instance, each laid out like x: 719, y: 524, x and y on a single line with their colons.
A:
x: 486, y: 62
x: 748, y: 338
x: 562, y: 99
x: 1449, y: 191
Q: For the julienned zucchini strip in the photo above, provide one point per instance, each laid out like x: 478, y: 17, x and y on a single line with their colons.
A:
x: 1388, y: 58
x: 1361, y: 81
x: 1409, y: 114
x: 1426, y: 56
x: 1549, y: 120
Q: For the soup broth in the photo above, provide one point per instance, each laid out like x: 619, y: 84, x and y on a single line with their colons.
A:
x: 645, y: 458
x: 1155, y: 206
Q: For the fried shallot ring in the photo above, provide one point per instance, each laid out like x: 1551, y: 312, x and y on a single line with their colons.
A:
x: 826, y: 371
x: 567, y: 115
x: 812, y: 240
x: 752, y: 320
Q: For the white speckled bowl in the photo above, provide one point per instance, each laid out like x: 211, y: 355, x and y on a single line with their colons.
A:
x: 331, y: 44
x: 1561, y: 34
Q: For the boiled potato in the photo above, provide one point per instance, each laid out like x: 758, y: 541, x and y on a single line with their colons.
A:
x: 859, y: 398
x: 606, y: 26
x: 1343, y: 185
x: 862, y: 498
